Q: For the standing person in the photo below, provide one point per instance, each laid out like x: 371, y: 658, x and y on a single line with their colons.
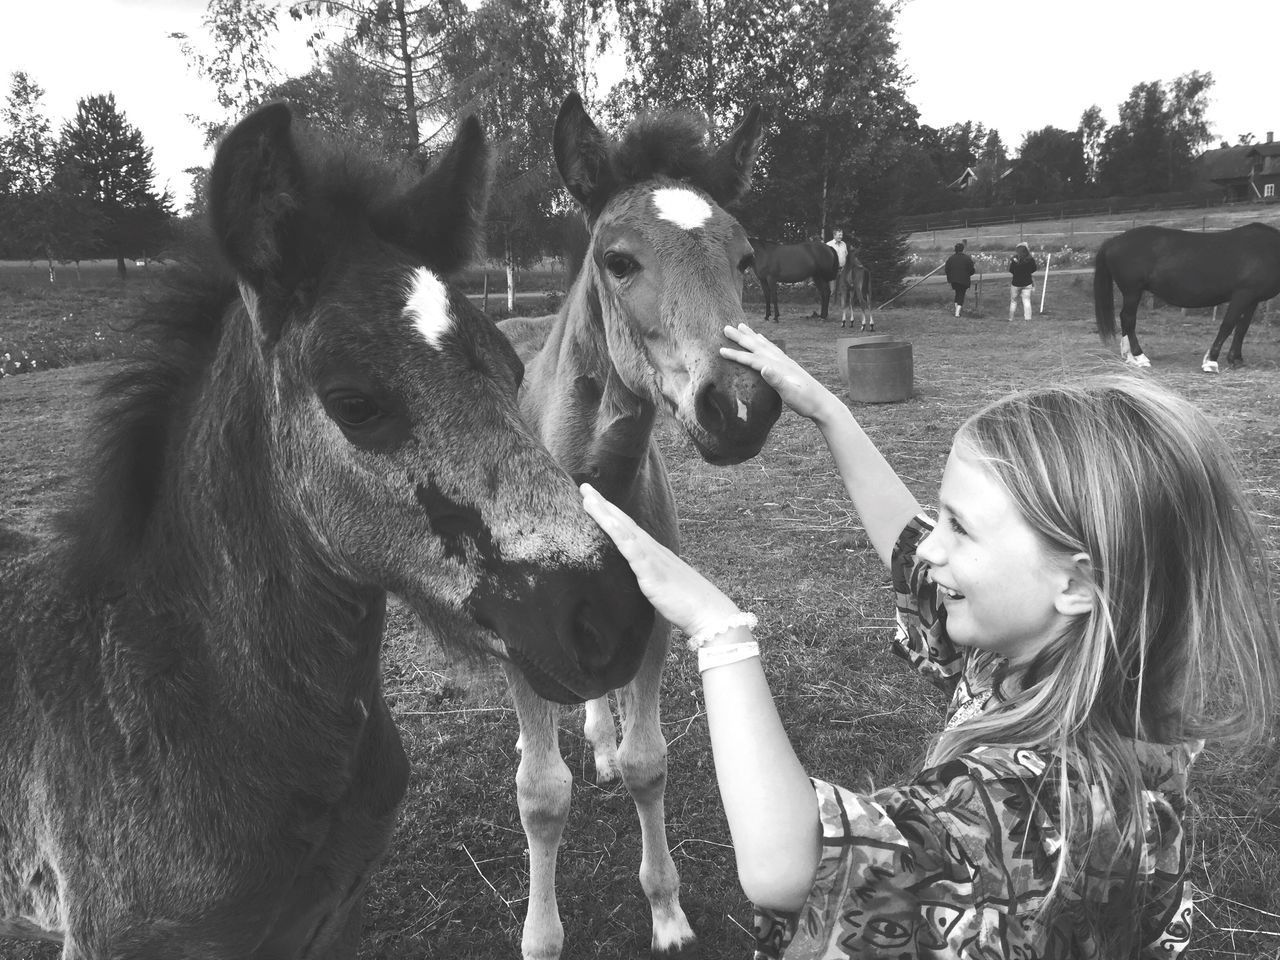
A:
x: 959, y: 268
x: 1096, y: 595
x: 837, y: 244
x: 1021, y: 266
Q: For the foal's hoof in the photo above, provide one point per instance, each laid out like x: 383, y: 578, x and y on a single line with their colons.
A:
x: 1140, y: 360
x: 1209, y: 366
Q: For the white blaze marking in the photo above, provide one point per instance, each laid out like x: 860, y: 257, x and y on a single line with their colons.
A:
x: 428, y: 306
x: 742, y: 410
x: 682, y: 207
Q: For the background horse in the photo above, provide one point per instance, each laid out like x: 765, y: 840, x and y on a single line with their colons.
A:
x: 196, y: 758
x: 1239, y: 267
x: 640, y: 330
x: 854, y: 286
x: 776, y: 263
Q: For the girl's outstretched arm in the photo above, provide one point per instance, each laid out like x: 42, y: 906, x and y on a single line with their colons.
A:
x: 882, y: 500
x: 767, y: 797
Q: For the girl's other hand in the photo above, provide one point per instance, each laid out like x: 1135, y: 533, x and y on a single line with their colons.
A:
x: 678, y: 592
x: 797, y: 388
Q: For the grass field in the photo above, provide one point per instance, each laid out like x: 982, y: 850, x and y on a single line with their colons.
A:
x: 779, y: 535
x: 1074, y: 241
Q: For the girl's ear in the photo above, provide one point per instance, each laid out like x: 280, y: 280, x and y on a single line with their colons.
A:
x: 1078, y: 593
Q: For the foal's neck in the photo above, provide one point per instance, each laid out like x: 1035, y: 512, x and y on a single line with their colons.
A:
x: 600, y: 430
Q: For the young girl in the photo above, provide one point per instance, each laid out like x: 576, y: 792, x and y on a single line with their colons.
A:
x: 1094, y: 593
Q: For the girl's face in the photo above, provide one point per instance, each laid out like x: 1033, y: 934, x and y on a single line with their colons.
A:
x: 999, y: 584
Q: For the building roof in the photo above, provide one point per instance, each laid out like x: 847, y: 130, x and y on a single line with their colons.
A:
x: 1235, y: 163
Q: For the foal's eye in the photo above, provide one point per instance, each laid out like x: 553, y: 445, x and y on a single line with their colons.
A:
x: 746, y: 263
x: 351, y: 409
x: 620, y: 265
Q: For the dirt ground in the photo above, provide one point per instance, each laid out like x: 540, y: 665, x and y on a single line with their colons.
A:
x: 780, y: 536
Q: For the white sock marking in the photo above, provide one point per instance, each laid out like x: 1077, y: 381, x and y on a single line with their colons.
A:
x: 682, y: 207
x: 427, y: 305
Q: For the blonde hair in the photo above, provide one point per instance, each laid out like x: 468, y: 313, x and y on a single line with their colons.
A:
x: 1181, y: 642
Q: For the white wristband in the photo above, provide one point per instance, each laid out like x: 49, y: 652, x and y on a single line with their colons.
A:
x: 739, y: 619
x: 720, y: 654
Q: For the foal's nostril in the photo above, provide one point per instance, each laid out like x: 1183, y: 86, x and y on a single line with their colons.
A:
x: 714, y: 409
x: 592, y: 647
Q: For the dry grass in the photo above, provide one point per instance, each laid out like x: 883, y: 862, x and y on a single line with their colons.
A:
x: 779, y: 535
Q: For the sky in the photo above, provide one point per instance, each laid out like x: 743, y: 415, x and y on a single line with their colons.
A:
x: 1015, y: 67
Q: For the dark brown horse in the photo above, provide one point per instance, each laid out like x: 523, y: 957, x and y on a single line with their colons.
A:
x: 776, y: 263
x: 854, y: 287
x: 640, y: 332
x: 196, y: 760
x: 1239, y: 267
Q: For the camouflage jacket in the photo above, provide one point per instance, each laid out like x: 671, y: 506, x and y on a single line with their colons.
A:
x: 955, y: 863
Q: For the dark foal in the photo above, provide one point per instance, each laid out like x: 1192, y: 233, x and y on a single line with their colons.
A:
x: 196, y: 760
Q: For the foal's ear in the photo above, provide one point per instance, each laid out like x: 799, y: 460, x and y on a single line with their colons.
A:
x: 729, y: 173
x: 441, y: 218
x: 582, y: 156
x: 255, y: 193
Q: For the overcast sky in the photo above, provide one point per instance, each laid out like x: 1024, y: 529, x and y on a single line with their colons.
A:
x: 1015, y: 66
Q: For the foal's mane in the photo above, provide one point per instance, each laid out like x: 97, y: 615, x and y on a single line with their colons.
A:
x: 668, y: 143
x: 144, y: 408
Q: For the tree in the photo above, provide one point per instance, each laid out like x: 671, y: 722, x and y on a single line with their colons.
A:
x: 346, y: 95
x: 1092, y: 130
x: 993, y: 150
x: 403, y: 43
x: 241, y: 67
x: 27, y: 148
x: 1154, y: 144
x: 510, y: 68
x: 1051, y: 166
x: 116, y: 168
x: 60, y: 224
x: 840, y: 125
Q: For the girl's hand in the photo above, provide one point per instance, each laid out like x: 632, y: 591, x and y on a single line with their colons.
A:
x: 797, y: 388
x: 678, y: 592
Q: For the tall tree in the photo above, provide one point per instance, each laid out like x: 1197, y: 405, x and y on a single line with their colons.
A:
x: 1050, y: 167
x: 404, y: 43
x: 1092, y: 130
x: 117, y: 171
x: 512, y: 70
x: 61, y: 223
x: 345, y: 94
x: 27, y: 147
x: 839, y: 119
x: 708, y: 55
x: 242, y: 66
x: 1153, y: 146
x: 993, y: 150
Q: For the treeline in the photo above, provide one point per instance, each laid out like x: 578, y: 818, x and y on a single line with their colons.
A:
x: 843, y: 146
x: 1151, y: 149
x: 86, y: 193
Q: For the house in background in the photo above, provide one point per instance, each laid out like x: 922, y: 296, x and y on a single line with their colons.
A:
x: 1249, y: 172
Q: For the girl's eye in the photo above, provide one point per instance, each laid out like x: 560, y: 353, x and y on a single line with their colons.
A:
x: 956, y: 527
x: 620, y: 265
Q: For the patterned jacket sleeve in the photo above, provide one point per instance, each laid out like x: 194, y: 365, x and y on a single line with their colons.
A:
x: 953, y: 865
x: 921, y: 637
x: 892, y: 882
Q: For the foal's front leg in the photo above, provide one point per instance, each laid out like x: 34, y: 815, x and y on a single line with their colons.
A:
x: 543, y: 787
x: 642, y: 757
